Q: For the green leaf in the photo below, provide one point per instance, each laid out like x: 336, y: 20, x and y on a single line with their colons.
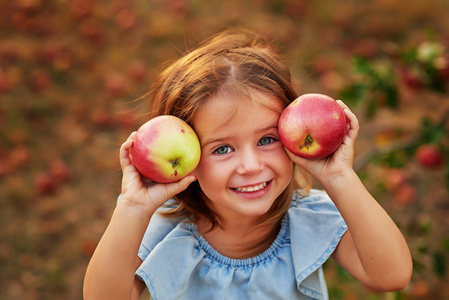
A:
x: 391, y: 96
x: 362, y: 65
x: 439, y: 264
x: 353, y: 94
x: 432, y: 133
x: 445, y: 244
x: 372, y: 107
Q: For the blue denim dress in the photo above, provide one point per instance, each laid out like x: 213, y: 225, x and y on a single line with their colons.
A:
x: 178, y: 263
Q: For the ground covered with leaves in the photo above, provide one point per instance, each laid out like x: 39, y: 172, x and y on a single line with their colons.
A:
x: 72, y: 74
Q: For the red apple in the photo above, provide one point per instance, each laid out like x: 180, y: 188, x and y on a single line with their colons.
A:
x: 40, y: 80
x: 313, y: 126
x: 166, y: 149
x: 126, y: 19
x: 395, y: 178
x: 60, y: 172
x: 115, y: 85
x: 80, y: 8
x: 126, y: 119
x: 420, y: 289
x: 101, y: 118
x: 137, y: 70
x: 412, y: 79
x: 405, y: 194
x: 5, y: 83
x: 429, y: 156
x: 44, y: 184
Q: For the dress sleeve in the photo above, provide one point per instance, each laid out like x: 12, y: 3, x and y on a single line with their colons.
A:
x: 316, y: 228
x: 158, y: 228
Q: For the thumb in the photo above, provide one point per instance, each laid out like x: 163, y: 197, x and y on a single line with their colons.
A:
x: 177, y: 187
x: 296, y: 159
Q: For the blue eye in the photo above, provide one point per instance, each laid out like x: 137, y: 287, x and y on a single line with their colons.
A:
x: 223, y: 150
x: 265, y: 141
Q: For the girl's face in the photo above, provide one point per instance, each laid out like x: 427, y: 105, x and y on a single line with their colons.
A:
x: 243, y: 166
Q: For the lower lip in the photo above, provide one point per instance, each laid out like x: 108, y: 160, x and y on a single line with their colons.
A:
x: 256, y: 194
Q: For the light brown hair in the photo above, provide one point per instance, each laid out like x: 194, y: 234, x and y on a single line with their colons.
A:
x: 233, y: 61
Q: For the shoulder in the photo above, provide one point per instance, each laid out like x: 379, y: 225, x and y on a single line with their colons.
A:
x: 316, y: 228
x: 315, y: 211
x: 315, y: 200
x: 315, y: 216
x: 158, y: 229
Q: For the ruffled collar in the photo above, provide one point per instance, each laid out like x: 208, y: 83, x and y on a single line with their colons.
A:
x: 281, y: 239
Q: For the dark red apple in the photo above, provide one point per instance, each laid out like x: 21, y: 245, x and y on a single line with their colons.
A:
x: 313, y: 126
x: 44, y: 184
x: 429, y: 156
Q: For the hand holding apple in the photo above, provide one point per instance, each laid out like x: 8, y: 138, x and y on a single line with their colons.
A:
x: 313, y: 126
x: 139, y: 191
x: 165, y: 149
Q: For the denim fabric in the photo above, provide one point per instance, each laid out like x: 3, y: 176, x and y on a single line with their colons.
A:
x: 178, y: 263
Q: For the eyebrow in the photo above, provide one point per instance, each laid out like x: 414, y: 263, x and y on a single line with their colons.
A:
x: 220, y: 139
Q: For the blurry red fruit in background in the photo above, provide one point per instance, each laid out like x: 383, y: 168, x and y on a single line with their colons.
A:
x: 44, y: 184
x: 40, y: 80
x: 405, y: 194
x: 60, y: 172
x: 429, y: 156
x: 115, y: 85
x: 5, y: 83
x: 80, y: 8
x: 137, y: 70
x: 412, y: 80
x: 127, y: 119
x: 101, y: 118
x: 20, y: 156
x: 395, y: 178
x: 125, y: 18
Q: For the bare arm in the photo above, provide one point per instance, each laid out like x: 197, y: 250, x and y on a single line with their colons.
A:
x: 110, y: 274
x: 373, y: 250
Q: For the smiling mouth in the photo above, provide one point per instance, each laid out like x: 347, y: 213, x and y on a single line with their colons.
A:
x: 253, y: 188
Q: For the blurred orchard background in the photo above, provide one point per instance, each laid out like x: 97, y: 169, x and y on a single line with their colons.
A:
x: 72, y: 74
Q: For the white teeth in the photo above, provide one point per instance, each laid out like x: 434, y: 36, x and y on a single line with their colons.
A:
x: 251, y: 188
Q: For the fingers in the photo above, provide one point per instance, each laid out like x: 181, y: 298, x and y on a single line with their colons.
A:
x: 294, y: 158
x: 353, y: 122
x: 125, y: 157
x: 177, y: 187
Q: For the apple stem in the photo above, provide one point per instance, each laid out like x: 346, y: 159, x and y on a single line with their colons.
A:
x: 174, y: 163
x: 307, y: 142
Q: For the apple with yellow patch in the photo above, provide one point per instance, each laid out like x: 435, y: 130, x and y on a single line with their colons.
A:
x: 313, y: 126
x: 165, y: 149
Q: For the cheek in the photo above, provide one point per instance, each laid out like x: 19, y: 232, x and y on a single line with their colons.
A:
x: 210, y: 173
x: 283, y: 162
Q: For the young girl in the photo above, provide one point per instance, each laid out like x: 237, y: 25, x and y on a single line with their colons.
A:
x: 245, y: 224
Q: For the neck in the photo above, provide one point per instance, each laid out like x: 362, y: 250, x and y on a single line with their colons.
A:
x: 239, y: 240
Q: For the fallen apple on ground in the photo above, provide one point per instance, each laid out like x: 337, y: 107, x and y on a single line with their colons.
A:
x: 313, y: 126
x: 165, y: 149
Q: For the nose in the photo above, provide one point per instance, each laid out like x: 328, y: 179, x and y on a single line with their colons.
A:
x: 250, y: 161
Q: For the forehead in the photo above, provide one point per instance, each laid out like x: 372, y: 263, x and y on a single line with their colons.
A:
x: 221, y: 111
